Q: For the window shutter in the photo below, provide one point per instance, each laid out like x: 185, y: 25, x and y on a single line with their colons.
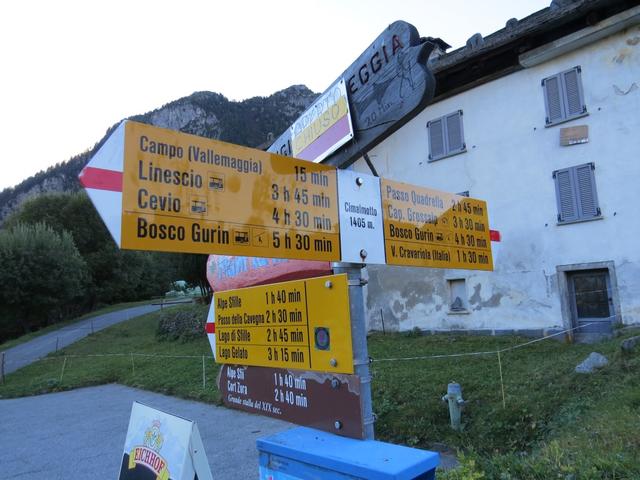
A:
x: 436, y: 139
x: 586, y: 188
x: 573, y: 92
x: 553, y: 99
x: 576, y: 193
x: 455, y: 141
x: 565, y: 196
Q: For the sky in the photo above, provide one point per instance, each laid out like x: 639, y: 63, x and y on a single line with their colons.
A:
x: 71, y: 69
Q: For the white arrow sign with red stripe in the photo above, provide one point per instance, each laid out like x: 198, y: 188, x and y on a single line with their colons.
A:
x: 102, y: 179
x: 210, y: 327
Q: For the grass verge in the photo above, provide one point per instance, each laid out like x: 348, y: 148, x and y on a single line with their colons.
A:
x: 554, y: 423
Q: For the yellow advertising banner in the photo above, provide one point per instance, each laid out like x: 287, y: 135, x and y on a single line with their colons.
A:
x: 183, y: 193
x: 429, y: 228
x: 303, y: 324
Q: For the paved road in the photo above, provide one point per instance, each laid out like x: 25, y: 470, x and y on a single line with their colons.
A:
x: 33, y: 350
x: 80, y: 434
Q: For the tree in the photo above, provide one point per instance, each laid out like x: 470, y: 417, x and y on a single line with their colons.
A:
x: 42, y: 275
x: 114, y: 275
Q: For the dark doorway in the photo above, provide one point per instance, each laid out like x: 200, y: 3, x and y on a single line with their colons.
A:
x: 591, y: 304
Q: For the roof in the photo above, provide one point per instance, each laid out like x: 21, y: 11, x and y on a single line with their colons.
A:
x: 484, y: 59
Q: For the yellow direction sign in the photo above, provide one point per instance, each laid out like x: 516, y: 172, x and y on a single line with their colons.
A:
x: 430, y: 228
x: 303, y: 324
x: 164, y: 190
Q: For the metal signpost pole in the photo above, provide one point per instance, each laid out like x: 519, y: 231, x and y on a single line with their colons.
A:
x: 359, y: 339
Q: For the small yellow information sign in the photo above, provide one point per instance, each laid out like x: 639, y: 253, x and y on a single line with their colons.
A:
x: 430, y: 228
x: 303, y: 324
x: 183, y: 193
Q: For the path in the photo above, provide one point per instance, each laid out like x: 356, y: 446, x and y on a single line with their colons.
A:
x: 80, y: 434
x: 33, y: 350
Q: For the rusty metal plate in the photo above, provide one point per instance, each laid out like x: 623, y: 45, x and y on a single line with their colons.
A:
x: 326, y: 401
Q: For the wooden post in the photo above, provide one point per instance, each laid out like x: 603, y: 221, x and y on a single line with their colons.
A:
x: 2, y: 367
x: 204, y: 378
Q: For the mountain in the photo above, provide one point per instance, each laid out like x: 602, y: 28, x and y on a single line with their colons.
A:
x: 253, y: 122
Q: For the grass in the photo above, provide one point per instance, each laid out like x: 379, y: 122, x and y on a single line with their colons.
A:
x: 57, y: 326
x: 554, y: 424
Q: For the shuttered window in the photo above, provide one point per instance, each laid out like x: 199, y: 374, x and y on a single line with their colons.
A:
x: 446, y: 136
x: 576, y: 193
x: 563, y: 96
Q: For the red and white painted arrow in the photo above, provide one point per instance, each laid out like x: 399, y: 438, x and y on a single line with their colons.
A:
x: 210, y: 327
x: 102, y: 179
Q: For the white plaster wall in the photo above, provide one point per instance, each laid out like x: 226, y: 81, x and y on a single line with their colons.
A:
x: 509, y: 163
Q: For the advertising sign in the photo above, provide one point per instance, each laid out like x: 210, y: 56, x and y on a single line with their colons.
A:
x: 388, y: 81
x: 183, y: 193
x: 323, y: 127
x: 303, y: 324
x: 326, y: 401
x: 163, y: 447
x: 225, y: 272
x: 429, y: 228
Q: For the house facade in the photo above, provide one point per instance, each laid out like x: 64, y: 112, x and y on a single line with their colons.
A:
x: 541, y: 121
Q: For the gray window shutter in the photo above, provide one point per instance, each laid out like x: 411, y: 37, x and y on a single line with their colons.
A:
x: 553, y: 99
x: 565, y: 196
x: 576, y: 193
x: 436, y: 139
x: 455, y: 140
x: 586, y: 190
x: 574, y: 102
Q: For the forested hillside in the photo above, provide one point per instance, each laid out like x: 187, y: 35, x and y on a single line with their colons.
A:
x: 250, y: 122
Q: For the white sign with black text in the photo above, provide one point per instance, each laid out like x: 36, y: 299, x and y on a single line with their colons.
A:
x: 360, y: 213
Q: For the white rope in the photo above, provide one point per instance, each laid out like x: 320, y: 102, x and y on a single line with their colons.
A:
x: 490, y: 352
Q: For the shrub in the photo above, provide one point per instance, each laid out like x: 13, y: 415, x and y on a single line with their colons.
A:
x: 182, y: 323
x: 41, y: 278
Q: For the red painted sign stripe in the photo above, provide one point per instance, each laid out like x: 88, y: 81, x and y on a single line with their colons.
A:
x: 101, y: 179
x: 210, y: 327
x: 494, y: 235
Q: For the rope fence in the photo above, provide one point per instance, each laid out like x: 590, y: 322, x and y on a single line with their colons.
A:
x: 203, y: 358
x: 497, y: 352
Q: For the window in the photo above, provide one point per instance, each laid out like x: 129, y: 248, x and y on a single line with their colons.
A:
x: 458, y: 296
x: 446, y: 136
x: 563, y: 96
x: 576, y: 194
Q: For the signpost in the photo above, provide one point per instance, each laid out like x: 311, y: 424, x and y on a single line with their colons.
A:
x: 291, y: 350
x: 303, y: 324
x: 429, y: 228
x: 158, y: 189
x: 182, y: 193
